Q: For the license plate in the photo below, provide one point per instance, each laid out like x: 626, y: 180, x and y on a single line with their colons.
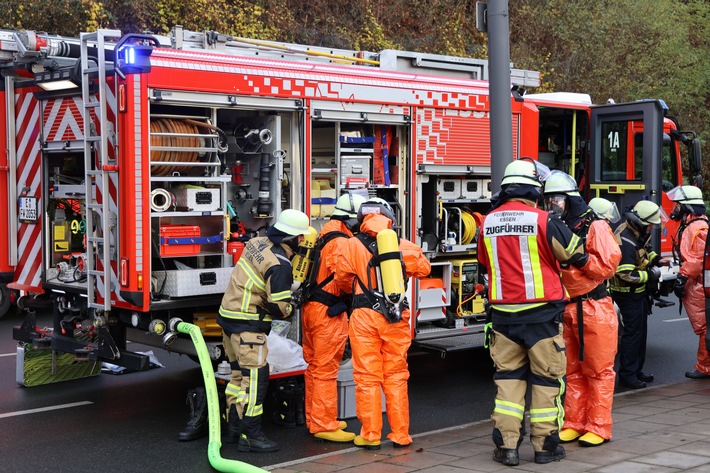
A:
x: 28, y: 209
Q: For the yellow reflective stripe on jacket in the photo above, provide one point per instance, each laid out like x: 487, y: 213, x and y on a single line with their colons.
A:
x: 622, y: 268
x: 517, y: 307
x: 638, y: 290
x: 281, y: 296
x: 233, y: 314
x: 246, y: 295
x: 492, y: 278
x: 509, y: 409
x: 538, y: 285
x: 254, y: 277
x: 573, y: 244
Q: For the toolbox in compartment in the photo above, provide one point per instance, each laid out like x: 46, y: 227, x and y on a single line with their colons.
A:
x: 192, y: 282
x: 178, y: 240
x: 198, y: 199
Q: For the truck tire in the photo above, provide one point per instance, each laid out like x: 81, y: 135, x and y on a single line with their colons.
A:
x: 5, y: 302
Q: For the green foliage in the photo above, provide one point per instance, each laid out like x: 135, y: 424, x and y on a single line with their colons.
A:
x: 625, y: 50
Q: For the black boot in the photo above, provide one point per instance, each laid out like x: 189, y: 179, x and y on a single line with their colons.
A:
x: 285, y: 395
x: 197, y: 422
x: 253, y: 439
x: 234, y: 426
x: 300, y: 403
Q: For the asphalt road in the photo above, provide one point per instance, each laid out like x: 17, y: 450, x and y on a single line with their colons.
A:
x: 129, y: 422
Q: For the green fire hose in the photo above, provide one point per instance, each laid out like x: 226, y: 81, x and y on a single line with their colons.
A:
x: 215, y: 443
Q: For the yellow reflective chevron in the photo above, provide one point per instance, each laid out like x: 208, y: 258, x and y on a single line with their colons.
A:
x: 254, y: 277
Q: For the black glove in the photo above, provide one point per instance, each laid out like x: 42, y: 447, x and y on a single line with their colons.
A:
x: 579, y: 261
x: 654, y: 274
x: 297, y: 297
x: 679, y: 286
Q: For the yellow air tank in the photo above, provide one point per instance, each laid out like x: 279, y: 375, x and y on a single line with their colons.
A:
x: 302, y: 260
x: 390, y: 269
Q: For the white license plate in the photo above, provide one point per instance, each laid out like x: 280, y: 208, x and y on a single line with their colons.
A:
x: 28, y: 209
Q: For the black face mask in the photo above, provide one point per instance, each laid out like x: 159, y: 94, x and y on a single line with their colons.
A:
x: 352, y: 224
x: 291, y: 243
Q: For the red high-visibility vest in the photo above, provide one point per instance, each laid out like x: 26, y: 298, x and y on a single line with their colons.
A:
x: 521, y: 266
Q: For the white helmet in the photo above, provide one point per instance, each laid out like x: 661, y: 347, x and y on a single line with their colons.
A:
x: 605, y: 209
x: 292, y: 222
x: 525, y: 171
x: 686, y: 195
x: 646, y: 212
x: 348, y: 205
x: 559, y: 182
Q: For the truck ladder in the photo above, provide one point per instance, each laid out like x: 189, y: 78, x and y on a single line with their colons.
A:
x: 98, y: 231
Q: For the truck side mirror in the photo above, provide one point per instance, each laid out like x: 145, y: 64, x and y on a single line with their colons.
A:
x: 695, y: 158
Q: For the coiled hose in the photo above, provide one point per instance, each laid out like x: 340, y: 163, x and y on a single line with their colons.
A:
x: 215, y: 442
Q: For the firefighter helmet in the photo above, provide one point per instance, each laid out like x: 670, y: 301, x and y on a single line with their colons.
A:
x: 348, y: 205
x: 605, y: 209
x: 688, y: 201
x: 646, y: 213
x: 292, y: 222
x: 376, y: 205
x: 686, y: 195
x: 560, y: 182
x: 520, y: 172
x: 525, y: 171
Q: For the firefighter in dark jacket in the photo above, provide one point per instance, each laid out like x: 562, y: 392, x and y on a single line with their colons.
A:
x: 259, y: 291
x: 521, y: 247
x: 631, y: 287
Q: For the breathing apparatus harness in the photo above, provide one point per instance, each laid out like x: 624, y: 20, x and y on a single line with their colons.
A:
x: 374, y: 298
x: 314, y: 291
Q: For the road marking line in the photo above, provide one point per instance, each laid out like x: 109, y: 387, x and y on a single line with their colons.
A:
x: 676, y: 320
x: 45, y: 409
x: 8, y: 354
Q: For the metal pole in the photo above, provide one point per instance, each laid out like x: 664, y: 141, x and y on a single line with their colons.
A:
x: 499, y: 80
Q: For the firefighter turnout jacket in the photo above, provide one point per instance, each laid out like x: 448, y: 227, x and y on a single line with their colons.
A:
x: 636, y: 261
x: 522, y: 246
x: 259, y: 289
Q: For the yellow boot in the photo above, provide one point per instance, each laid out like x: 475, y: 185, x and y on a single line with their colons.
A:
x: 338, y: 435
x: 591, y: 440
x: 367, y: 444
x: 343, y: 425
x: 569, y: 435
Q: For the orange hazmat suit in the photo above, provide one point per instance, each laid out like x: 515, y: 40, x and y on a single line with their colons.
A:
x: 379, y: 347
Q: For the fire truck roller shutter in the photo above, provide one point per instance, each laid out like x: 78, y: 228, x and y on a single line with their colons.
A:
x: 181, y: 127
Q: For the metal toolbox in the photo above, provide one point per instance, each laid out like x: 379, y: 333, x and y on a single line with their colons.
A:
x: 192, y: 282
x: 354, y: 167
x: 197, y: 199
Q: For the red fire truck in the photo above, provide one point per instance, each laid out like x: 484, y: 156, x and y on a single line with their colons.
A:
x: 136, y: 166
